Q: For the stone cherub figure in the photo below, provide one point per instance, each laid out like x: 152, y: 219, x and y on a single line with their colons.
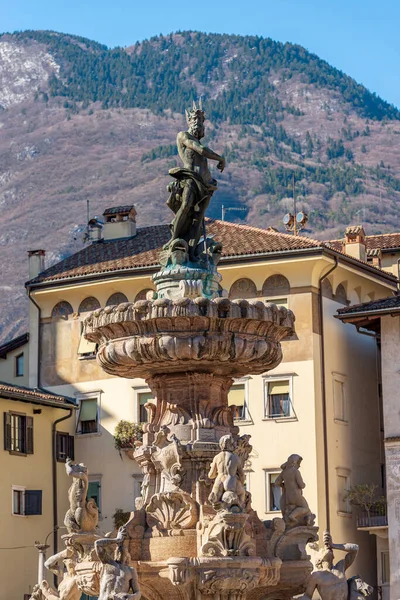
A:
x: 329, y: 579
x: 83, y: 515
x: 193, y: 187
x: 294, y: 506
x: 118, y: 580
x: 227, y: 471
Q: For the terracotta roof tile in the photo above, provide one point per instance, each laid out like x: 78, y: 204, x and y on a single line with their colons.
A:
x: 143, y: 249
x: 36, y: 396
x: 386, y: 304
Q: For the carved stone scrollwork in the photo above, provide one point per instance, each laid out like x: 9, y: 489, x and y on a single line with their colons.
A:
x: 227, y: 535
x: 171, y: 512
x: 166, y: 457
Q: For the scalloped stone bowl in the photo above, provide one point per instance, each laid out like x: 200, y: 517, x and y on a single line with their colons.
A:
x: 220, y: 336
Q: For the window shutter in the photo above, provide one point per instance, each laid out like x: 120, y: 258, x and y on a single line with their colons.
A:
x: 58, y: 446
x: 7, y: 431
x: 33, y: 502
x: 29, y: 435
x: 71, y: 447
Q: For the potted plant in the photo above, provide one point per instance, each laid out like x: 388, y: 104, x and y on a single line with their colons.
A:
x: 127, y: 436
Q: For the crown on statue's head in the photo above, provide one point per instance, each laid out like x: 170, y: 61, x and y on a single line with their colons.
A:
x: 196, y: 114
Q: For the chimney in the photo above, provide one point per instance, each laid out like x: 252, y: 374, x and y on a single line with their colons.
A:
x: 36, y: 262
x: 374, y: 257
x: 119, y: 222
x: 354, y: 242
x: 94, y: 230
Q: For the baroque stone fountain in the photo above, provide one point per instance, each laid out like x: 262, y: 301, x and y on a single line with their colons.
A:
x: 193, y: 534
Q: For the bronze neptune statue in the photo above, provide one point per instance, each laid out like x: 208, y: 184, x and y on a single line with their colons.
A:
x: 193, y: 187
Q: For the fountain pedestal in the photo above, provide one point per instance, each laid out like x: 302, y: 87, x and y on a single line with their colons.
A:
x: 190, y: 540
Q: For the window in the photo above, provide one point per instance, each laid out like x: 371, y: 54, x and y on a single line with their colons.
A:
x: 62, y: 310
x: 88, y: 305
x: 26, y: 502
x: 88, y: 417
x: 19, y: 365
x: 18, y: 504
x: 385, y: 567
x: 243, y: 288
x: 237, y: 397
x: 272, y: 492
x: 116, y: 298
x: 277, y: 398
x: 94, y: 489
x: 86, y: 349
x: 137, y: 486
x: 339, y: 397
x: 64, y: 446
x: 18, y: 433
x: 144, y: 396
x: 343, y: 485
x: 142, y: 295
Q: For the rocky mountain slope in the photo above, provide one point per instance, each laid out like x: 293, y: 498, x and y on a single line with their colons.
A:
x: 79, y: 123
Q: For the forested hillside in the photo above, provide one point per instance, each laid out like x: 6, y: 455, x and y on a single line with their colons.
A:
x: 79, y: 121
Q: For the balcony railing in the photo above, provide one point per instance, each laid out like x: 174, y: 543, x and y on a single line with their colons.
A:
x: 375, y: 518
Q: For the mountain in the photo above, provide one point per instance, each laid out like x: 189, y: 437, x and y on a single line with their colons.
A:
x: 83, y: 123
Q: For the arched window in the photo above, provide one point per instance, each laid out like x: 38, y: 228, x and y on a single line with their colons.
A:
x: 276, y: 285
x: 117, y: 298
x: 142, y: 294
x: 340, y: 295
x: 327, y: 289
x: 61, y: 310
x: 243, y: 288
x: 88, y: 304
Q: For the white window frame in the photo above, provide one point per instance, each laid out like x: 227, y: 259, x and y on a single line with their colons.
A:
x: 283, y: 300
x: 87, y: 396
x: 87, y: 356
x: 245, y: 381
x: 275, y: 378
x: 97, y: 478
x: 343, y: 472
x: 143, y: 389
x: 268, y: 490
x: 137, y: 485
x: 18, y: 488
x: 340, y: 378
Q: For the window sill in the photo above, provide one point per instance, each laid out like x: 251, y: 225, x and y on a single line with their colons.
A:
x: 240, y: 422
x: 341, y: 513
x: 280, y: 419
x: 341, y: 422
x: 87, y: 435
x: 16, y: 453
x: 16, y: 515
x: 89, y: 357
x: 274, y: 512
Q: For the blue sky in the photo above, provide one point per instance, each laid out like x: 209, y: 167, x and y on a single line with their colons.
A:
x: 360, y: 37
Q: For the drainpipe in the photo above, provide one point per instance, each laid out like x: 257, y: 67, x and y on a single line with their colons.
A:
x: 38, y: 343
x: 323, y: 392
x: 54, y: 477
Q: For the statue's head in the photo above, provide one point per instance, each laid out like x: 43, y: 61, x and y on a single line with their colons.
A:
x: 227, y: 443
x: 359, y: 587
x: 195, y: 119
x: 294, y: 460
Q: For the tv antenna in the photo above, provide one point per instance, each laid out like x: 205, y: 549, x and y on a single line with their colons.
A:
x: 298, y: 220
x: 224, y: 210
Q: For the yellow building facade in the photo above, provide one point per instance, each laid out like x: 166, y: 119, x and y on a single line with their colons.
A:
x: 33, y: 485
x: 320, y: 401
